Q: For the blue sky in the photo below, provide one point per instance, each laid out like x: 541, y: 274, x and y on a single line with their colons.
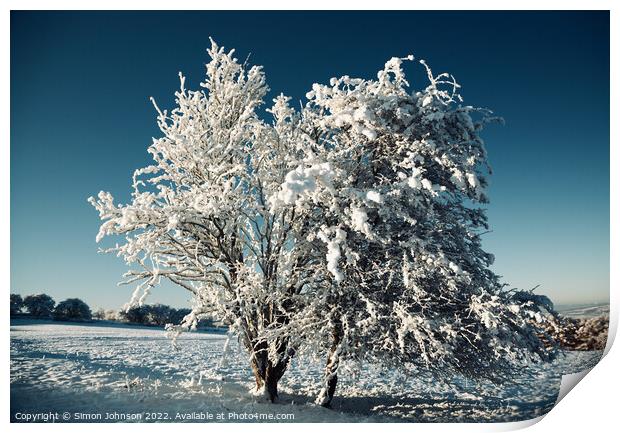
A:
x: 81, y: 122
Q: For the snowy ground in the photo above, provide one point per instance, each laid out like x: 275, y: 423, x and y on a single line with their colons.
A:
x: 583, y: 310
x: 102, y: 368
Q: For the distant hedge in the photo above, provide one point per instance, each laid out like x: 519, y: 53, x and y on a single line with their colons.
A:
x: 153, y: 315
x: 73, y: 309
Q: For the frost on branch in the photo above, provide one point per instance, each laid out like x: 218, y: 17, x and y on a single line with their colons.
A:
x: 350, y: 228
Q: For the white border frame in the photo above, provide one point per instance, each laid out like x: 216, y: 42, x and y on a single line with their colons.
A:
x: 591, y: 406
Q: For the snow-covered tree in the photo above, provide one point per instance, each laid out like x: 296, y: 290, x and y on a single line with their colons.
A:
x: 200, y: 218
x: 400, y: 222
x: 349, y: 228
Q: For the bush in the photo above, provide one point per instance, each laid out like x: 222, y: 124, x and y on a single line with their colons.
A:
x: 17, y: 303
x: 40, y: 306
x: 72, y: 309
x: 584, y: 333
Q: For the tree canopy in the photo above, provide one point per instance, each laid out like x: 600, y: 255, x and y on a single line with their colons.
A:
x: 350, y: 228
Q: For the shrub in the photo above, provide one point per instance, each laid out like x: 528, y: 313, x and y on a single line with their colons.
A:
x: 583, y: 333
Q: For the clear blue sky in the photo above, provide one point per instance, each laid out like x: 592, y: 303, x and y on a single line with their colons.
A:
x: 81, y: 122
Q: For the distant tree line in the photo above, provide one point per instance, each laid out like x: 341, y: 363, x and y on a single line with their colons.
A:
x: 150, y: 315
x: 43, y: 306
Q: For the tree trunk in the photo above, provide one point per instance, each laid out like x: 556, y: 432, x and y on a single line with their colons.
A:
x: 271, y: 381
x: 267, y: 374
x: 331, y: 370
x: 330, y: 381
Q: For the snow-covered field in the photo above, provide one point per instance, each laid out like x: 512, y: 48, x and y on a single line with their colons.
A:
x: 106, y: 368
x: 584, y: 310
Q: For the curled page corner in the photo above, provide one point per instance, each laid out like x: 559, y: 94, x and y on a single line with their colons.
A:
x: 568, y: 383
x: 517, y: 425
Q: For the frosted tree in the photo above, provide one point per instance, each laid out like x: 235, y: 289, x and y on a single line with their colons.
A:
x: 199, y: 216
x: 400, y: 226
x: 348, y: 228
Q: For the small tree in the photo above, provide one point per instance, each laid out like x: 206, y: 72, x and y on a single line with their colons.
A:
x: 72, y: 309
x: 99, y: 314
x: 17, y: 303
x: 348, y: 229
x: 40, y: 306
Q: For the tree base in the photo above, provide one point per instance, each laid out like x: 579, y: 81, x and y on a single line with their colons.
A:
x: 326, y: 395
